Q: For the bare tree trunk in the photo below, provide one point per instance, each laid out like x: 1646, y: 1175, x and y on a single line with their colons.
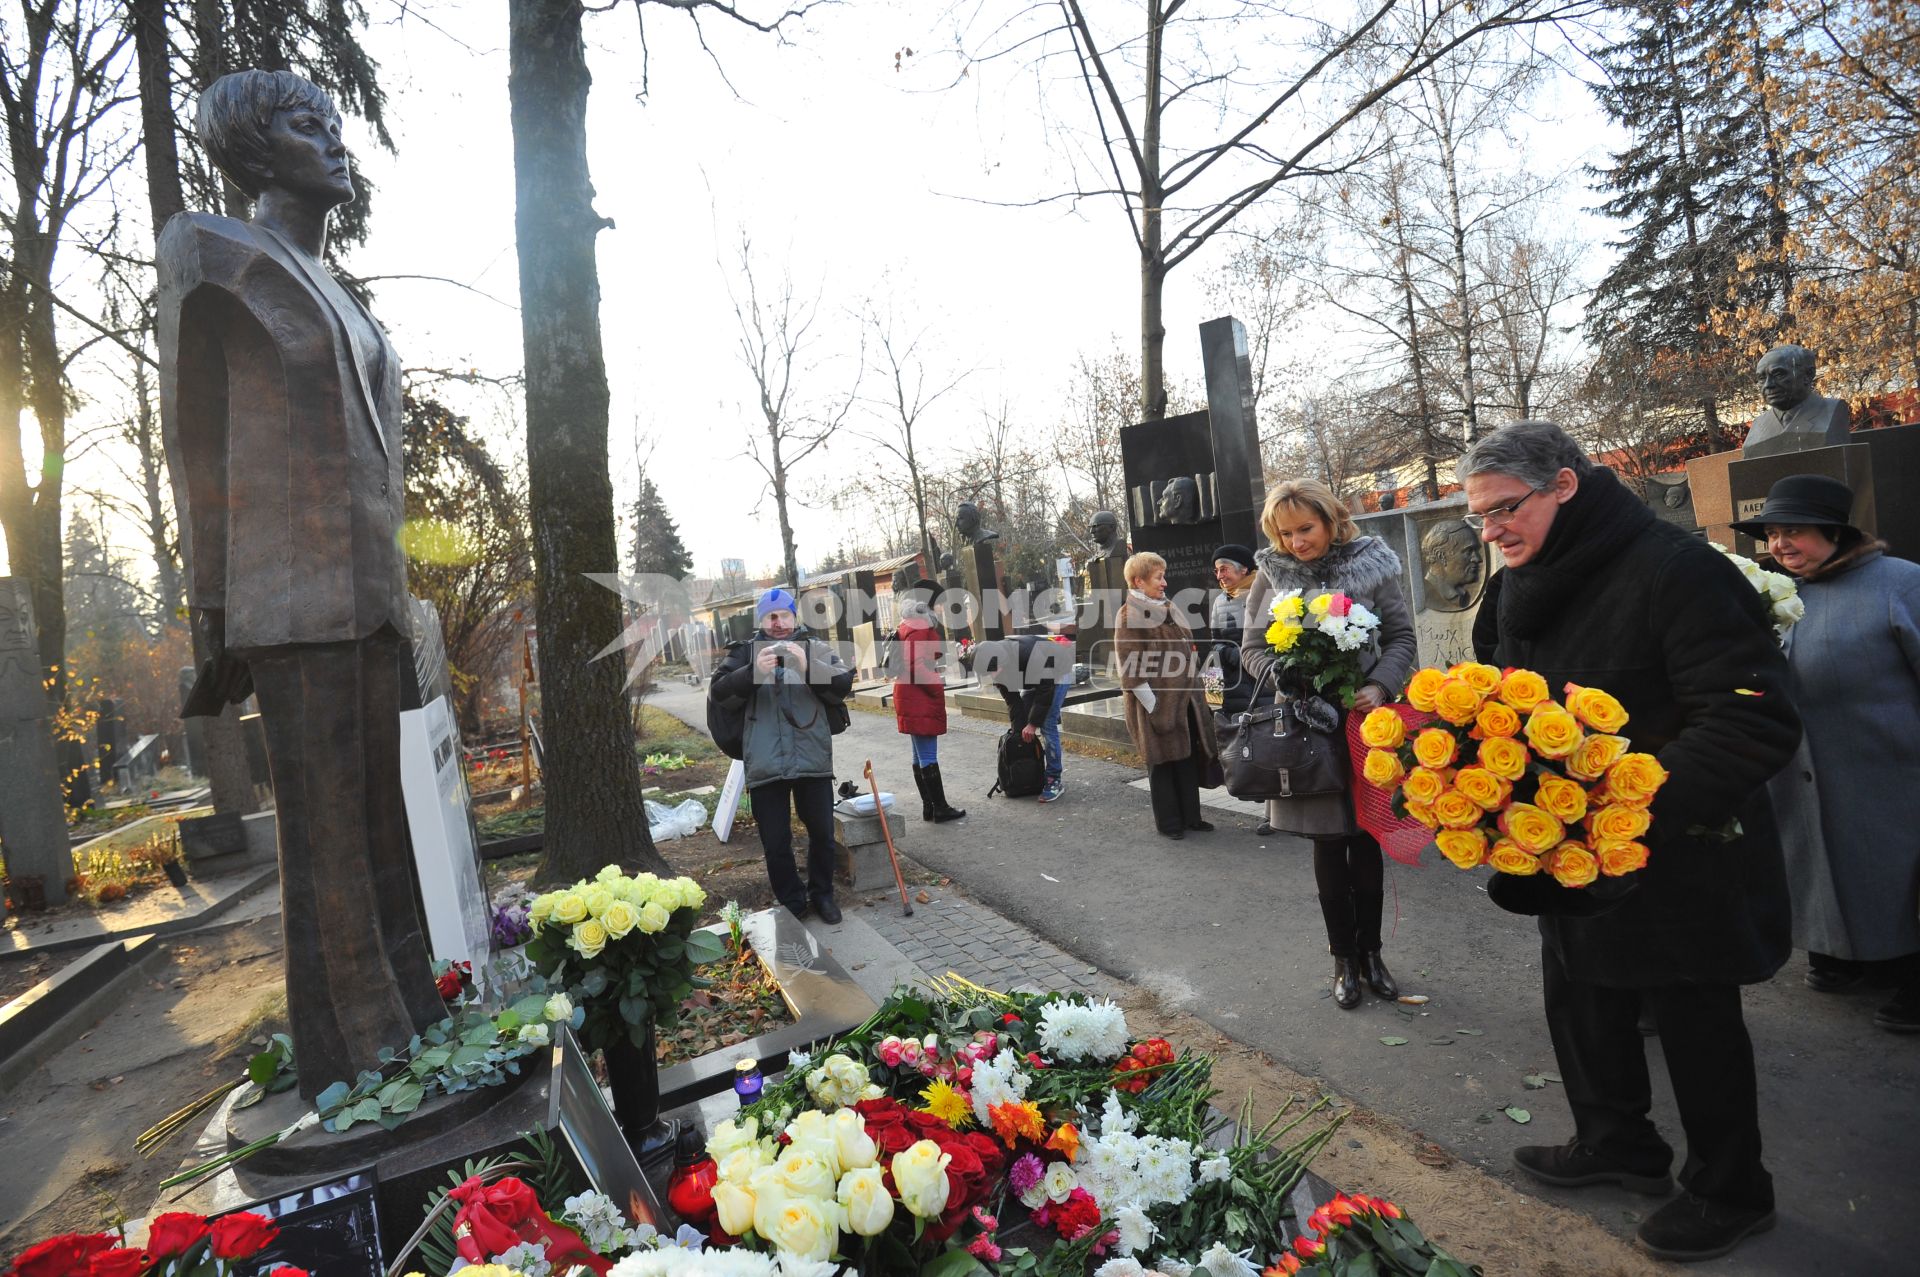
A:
x: 594, y: 811
x: 146, y: 441
x: 1153, y: 253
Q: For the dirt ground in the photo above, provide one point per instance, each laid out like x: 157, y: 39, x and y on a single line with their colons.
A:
x: 69, y: 1128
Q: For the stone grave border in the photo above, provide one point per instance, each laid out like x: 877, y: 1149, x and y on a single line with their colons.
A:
x: 46, y: 1017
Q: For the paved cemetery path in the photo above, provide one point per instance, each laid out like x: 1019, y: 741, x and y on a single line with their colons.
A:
x: 1226, y: 926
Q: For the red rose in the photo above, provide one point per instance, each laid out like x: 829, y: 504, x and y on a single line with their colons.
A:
x: 448, y: 984
x: 993, y: 1158
x: 1009, y: 1018
x: 120, y: 1263
x: 64, y: 1256
x: 1033, y: 1058
x: 887, y: 1125
x: 967, y: 1184
x: 288, y: 1270
x: 170, y: 1234
x: 238, y: 1236
x: 929, y: 1126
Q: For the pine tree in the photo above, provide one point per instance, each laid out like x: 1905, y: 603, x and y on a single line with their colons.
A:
x: 1700, y: 189
x: 657, y: 548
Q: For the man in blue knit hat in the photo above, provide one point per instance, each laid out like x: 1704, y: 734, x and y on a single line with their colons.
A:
x: 784, y: 690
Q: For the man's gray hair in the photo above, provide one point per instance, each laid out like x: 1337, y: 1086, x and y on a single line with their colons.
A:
x: 1534, y: 452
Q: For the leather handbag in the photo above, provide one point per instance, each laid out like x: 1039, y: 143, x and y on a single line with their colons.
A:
x: 1273, y: 752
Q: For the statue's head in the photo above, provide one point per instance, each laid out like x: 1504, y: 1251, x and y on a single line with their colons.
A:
x: 1786, y: 376
x: 966, y: 518
x: 1105, y: 528
x: 1451, y: 551
x: 16, y: 620
x: 1180, y: 501
x: 273, y: 130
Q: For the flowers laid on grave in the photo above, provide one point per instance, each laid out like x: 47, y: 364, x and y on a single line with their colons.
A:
x: 901, y: 1148
x: 1355, y: 1233
x: 1319, y: 640
x: 1781, y: 594
x: 177, y: 1244
x: 1509, y: 777
x: 624, y: 947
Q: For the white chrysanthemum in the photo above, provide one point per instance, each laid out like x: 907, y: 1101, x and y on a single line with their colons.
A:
x: 1077, y: 1032
x: 1172, y: 1267
x: 997, y: 1081
x: 1215, y: 1170
x: 1136, y: 1230
x: 1363, y: 617
x: 1124, y: 1266
x: 1221, y: 1262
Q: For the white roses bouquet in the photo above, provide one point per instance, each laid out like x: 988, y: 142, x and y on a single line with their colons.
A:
x: 1777, y: 588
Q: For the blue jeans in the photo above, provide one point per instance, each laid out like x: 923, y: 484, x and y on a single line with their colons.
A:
x: 926, y: 750
x: 1050, y: 730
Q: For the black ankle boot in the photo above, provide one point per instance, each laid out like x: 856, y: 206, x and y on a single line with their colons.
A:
x: 926, y: 800
x: 937, y: 795
x: 1378, y: 978
x: 1346, y: 983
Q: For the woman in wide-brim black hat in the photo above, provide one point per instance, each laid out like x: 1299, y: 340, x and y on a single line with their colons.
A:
x: 1848, y: 807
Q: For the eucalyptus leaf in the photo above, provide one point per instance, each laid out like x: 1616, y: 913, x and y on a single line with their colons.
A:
x: 332, y: 1098
x: 367, y: 1110
x: 594, y: 983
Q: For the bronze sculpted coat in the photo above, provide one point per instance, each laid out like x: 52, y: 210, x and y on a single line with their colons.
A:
x: 283, y: 397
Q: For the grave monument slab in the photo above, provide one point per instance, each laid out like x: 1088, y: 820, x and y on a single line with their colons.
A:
x: 1444, y: 568
x: 33, y: 822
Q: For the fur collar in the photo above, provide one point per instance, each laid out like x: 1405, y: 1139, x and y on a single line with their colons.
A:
x: 1354, y: 568
x: 1862, y: 551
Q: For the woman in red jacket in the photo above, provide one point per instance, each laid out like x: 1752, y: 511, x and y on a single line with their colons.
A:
x: 920, y: 698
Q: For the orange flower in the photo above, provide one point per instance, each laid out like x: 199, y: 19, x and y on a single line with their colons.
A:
x: 1591, y: 758
x: 1510, y: 859
x: 1532, y: 829
x: 1457, y: 811
x: 1596, y: 708
x: 1487, y: 790
x: 1566, y: 800
x: 1466, y: 848
x: 1484, y: 679
x: 1635, y: 779
x: 1497, y: 719
x: 1019, y: 1121
x: 1552, y: 731
x: 1423, y: 785
x: 1287, y: 1266
x: 1457, y: 701
x: 1383, y: 729
x: 1423, y: 812
x: 1435, y: 747
x: 1382, y: 768
x: 1571, y: 865
x: 1422, y: 687
x: 1617, y: 823
x: 1618, y: 858
x: 1066, y: 1141
x: 1504, y: 757
x: 1523, y: 689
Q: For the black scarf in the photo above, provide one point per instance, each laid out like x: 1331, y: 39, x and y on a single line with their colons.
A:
x: 1591, y: 528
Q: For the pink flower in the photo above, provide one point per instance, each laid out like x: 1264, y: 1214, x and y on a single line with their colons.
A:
x: 986, y: 1221
x: 1026, y: 1172
x: 983, y: 1247
x: 1340, y: 605
x: 910, y: 1052
x: 891, y: 1050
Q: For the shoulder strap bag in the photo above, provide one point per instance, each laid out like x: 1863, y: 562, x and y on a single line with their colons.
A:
x: 1272, y: 752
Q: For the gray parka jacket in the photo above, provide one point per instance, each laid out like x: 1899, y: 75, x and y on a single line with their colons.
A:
x: 787, y: 735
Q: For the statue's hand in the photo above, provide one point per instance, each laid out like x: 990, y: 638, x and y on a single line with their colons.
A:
x: 227, y: 675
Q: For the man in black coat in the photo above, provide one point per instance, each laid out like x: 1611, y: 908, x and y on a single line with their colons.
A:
x: 1598, y: 592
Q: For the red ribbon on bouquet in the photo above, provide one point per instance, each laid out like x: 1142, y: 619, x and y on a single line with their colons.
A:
x: 1401, y: 837
x: 493, y: 1218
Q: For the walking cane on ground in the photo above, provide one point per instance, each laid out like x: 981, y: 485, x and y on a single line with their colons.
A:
x: 887, y: 829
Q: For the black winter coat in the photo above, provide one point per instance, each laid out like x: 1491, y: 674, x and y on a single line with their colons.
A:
x: 1665, y: 622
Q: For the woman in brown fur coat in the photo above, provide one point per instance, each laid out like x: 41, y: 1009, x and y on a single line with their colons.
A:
x: 1167, y: 713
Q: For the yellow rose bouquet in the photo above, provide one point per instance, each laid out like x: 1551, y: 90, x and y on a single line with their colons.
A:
x: 1504, y: 775
x: 624, y: 947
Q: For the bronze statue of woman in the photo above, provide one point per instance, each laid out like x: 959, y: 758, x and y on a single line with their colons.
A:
x: 280, y: 399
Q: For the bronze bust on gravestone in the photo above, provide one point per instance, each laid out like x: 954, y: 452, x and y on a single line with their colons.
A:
x: 1105, y: 530
x: 1453, y: 563
x: 1180, y: 501
x: 966, y: 521
x: 281, y: 402
x: 1795, y: 419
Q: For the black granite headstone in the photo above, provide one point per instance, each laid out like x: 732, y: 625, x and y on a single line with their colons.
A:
x: 1194, y: 481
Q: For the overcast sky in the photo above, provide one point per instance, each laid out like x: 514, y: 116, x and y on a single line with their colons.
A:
x: 863, y: 181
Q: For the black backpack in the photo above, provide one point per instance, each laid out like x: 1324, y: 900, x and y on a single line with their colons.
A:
x: 1022, y: 768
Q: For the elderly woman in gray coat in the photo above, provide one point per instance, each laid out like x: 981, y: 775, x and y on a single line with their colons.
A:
x: 1847, y: 805
x: 1315, y: 547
